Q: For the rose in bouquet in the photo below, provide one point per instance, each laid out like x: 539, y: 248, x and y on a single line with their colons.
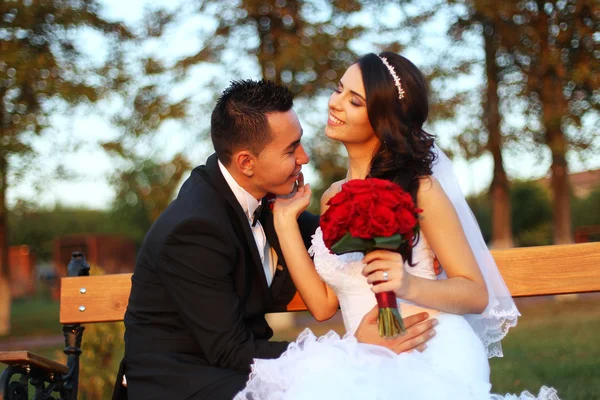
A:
x: 369, y: 214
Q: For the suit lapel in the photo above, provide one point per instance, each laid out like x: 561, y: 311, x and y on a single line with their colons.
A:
x: 216, y: 177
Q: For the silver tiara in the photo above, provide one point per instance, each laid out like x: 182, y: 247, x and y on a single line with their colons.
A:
x: 394, y: 76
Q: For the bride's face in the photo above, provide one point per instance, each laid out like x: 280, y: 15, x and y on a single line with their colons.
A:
x: 348, y: 121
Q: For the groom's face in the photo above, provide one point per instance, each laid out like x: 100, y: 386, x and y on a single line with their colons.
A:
x: 279, y: 163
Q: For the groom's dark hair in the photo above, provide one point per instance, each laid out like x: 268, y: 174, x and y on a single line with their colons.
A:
x: 239, y: 119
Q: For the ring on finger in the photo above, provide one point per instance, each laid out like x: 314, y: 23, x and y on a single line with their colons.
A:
x: 385, y: 276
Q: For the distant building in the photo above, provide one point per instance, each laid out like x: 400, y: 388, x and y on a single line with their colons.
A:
x: 582, y: 183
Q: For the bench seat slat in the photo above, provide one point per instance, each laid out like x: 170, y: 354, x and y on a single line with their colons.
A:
x: 26, y: 358
x: 527, y: 271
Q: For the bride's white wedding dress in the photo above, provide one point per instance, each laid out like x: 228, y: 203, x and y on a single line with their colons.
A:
x: 454, y: 365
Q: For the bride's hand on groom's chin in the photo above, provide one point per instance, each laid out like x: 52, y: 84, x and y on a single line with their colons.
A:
x: 419, y: 330
x: 289, y: 209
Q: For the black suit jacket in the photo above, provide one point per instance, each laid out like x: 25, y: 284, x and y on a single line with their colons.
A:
x: 196, y: 312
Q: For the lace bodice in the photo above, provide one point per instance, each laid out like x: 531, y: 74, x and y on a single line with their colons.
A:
x: 343, y: 274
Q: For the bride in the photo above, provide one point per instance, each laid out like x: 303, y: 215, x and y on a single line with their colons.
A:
x: 377, y: 112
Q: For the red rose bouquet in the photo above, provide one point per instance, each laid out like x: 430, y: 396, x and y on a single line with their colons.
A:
x: 372, y: 214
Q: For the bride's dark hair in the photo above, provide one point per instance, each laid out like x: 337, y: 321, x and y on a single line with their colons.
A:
x: 406, y: 150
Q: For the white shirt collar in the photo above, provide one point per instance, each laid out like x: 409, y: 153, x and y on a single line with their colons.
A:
x: 247, y: 201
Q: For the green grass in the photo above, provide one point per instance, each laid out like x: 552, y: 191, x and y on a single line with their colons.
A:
x: 34, y: 317
x: 554, y: 344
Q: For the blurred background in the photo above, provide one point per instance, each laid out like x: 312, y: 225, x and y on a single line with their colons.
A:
x: 105, y: 108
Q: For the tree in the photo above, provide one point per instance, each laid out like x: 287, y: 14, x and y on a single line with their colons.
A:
x: 471, y: 45
x: 553, y: 55
x: 295, y: 47
x: 542, y: 66
x: 483, y: 17
x: 144, y: 191
x: 44, y: 68
x: 499, y: 189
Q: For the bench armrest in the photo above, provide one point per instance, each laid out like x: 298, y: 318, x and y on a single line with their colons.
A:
x: 26, y: 359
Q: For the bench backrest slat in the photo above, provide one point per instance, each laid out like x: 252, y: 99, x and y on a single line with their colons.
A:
x: 104, y: 297
x: 528, y: 271
x: 549, y: 270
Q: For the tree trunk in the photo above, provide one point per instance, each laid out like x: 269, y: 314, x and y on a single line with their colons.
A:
x: 554, y: 107
x: 501, y: 207
x: 4, y: 270
x: 561, y: 202
x: 499, y: 191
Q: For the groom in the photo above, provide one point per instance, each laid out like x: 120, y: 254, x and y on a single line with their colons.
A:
x: 210, y: 267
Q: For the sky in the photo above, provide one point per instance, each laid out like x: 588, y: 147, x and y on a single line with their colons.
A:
x: 91, y: 188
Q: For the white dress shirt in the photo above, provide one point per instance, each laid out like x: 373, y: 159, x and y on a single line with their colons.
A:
x: 249, y: 205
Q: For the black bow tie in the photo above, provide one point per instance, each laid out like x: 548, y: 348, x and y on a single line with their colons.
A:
x: 257, y: 212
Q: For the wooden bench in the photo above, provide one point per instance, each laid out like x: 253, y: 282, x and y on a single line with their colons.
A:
x: 531, y: 271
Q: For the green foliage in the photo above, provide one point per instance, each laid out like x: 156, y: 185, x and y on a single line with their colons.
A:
x: 531, y: 214
x: 304, y: 45
x: 547, y: 67
x: 553, y: 50
x: 144, y: 191
x: 586, y: 211
x: 43, y: 65
x: 38, y: 228
x: 103, y: 349
x: 586, y: 214
x: 480, y: 205
x: 41, y: 60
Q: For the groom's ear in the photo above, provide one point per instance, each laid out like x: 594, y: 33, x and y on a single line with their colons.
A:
x: 245, y: 162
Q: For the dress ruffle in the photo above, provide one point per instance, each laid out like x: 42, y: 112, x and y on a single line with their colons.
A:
x: 331, y: 367
x: 546, y: 393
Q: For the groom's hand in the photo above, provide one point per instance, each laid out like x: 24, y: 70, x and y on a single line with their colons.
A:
x: 418, y: 331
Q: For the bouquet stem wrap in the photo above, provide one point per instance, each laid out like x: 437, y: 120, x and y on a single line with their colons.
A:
x: 390, y: 320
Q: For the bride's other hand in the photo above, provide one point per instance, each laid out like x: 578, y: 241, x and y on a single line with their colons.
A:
x: 385, y: 271
x: 419, y: 330
x: 290, y: 207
